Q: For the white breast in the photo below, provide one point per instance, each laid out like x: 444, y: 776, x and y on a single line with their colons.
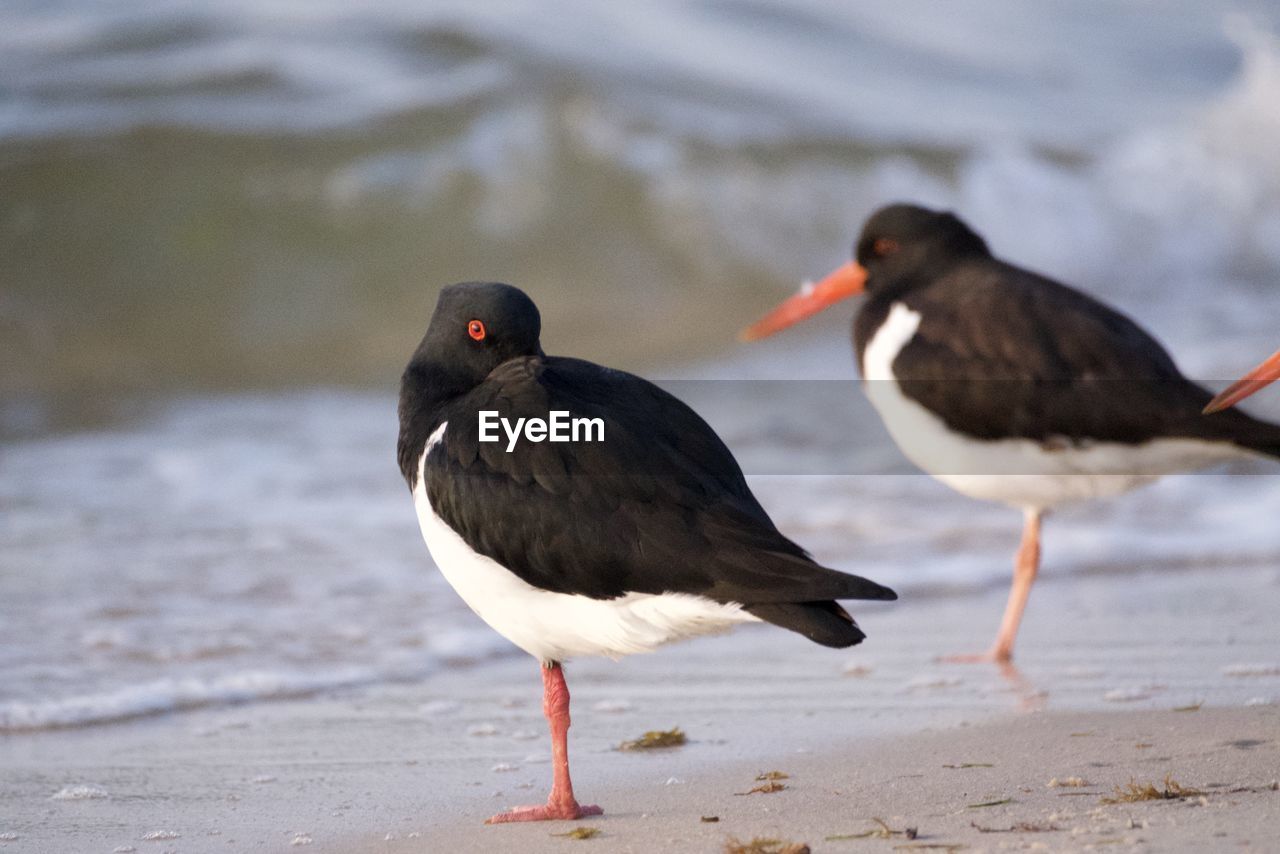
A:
x: 1020, y: 472
x: 557, y: 626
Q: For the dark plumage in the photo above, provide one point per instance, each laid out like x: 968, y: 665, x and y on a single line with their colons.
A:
x: 660, y: 506
x: 1002, y: 352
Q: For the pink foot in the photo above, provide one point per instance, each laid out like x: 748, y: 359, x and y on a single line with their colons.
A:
x: 549, y: 811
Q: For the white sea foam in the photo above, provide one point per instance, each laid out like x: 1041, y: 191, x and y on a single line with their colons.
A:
x: 167, y: 695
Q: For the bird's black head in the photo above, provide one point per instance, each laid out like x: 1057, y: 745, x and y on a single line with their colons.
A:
x: 476, y: 327
x: 906, y: 243
x: 901, y: 246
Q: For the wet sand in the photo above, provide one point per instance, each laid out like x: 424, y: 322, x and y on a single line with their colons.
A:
x: 863, y: 734
x: 1036, y: 782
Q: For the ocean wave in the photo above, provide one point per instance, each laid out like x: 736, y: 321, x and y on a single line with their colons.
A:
x: 1194, y: 197
x: 447, y: 647
x: 878, y: 70
x: 182, y: 693
x: 313, y: 257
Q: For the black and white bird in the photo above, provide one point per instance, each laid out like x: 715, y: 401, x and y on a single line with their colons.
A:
x: 1259, y: 377
x: 607, y: 547
x: 1010, y: 387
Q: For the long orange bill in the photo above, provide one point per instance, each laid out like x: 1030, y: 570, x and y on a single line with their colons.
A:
x: 1260, y: 377
x: 840, y: 283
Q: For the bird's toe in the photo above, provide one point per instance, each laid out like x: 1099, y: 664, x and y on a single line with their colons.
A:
x: 552, y: 811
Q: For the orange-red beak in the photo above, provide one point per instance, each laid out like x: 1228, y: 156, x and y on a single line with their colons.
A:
x: 1260, y: 377
x: 840, y: 283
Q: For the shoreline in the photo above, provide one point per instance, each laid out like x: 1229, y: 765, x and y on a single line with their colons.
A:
x: 343, y: 770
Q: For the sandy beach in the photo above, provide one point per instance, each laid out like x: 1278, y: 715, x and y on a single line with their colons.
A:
x: 862, y: 734
x: 1038, y: 782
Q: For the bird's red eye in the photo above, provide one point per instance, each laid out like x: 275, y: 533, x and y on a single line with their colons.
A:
x: 884, y: 246
x: 475, y: 329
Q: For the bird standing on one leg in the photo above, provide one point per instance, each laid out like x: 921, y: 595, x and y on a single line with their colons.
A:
x: 561, y: 803
x: 608, y: 547
x: 1009, y: 386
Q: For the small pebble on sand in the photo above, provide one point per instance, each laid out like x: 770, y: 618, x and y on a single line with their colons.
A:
x: 1068, y: 782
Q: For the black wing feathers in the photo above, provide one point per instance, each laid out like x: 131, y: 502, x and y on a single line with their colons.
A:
x: 1002, y: 352
x: 659, y: 506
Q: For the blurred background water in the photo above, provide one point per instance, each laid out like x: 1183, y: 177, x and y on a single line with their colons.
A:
x: 223, y: 225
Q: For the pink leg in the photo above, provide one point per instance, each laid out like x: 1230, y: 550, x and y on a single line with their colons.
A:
x: 561, y: 804
x: 1026, y: 565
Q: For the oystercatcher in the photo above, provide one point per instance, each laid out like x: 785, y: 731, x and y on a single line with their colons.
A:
x: 1262, y: 375
x: 1009, y: 386
x: 646, y: 535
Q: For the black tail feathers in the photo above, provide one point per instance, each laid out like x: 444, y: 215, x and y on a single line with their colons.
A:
x: 821, y: 622
x: 1242, y: 429
x: 1261, y: 438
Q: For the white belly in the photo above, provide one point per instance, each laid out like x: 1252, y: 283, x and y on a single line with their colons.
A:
x: 1020, y: 472
x: 558, y: 626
